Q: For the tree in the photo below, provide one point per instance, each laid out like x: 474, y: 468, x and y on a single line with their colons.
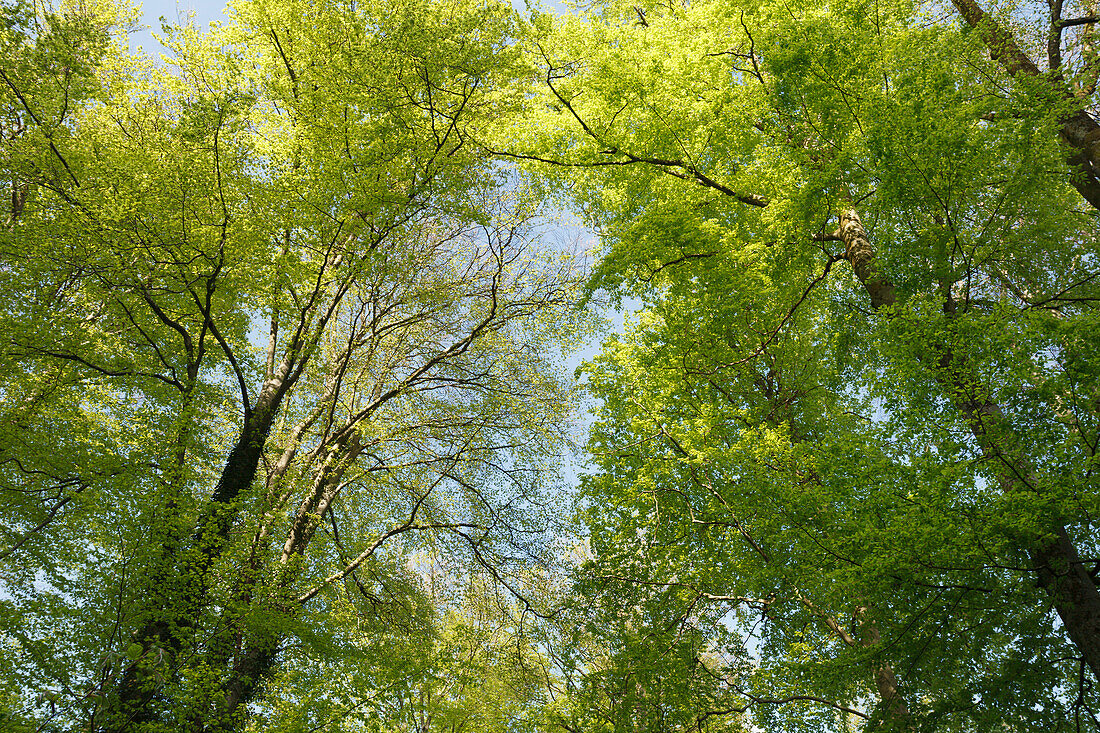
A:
x: 634, y: 659
x: 469, y: 665
x: 276, y: 326
x: 871, y: 445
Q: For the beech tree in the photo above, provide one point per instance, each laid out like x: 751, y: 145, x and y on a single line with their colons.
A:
x: 466, y: 660
x: 279, y: 344
x: 855, y: 418
x: 278, y: 336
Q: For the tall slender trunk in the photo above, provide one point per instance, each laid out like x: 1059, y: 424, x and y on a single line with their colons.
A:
x: 256, y: 659
x: 1054, y: 558
x: 896, y: 711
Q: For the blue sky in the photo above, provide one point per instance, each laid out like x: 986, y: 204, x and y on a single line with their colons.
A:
x: 208, y: 10
x: 204, y: 11
x: 153, y: 10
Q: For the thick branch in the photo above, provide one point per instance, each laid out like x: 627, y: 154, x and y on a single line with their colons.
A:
x: 858, y: 252
x: 1078, y: 129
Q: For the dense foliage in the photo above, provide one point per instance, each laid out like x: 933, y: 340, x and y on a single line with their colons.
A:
x: 279, y: 340
x: 282, y: 408
x: 850, y: 434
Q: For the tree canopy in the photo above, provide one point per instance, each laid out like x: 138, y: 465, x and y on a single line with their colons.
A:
x: 281, y: 337
x: 855, y: 418
x: 284, y: 409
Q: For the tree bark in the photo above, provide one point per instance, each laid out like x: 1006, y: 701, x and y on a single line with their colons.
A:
x: 257, y: 660
x: 861, y: 255
x: 895, y: 711
x: 886, y: 683
x: 252, y: 668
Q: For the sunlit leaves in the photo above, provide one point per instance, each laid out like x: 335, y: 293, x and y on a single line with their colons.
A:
x: 768, y: 445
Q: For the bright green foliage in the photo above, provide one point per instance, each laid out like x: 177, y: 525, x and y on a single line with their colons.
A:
x: 465, y: 663
x: 643, y: 660
x: 278, y: 353
x: 276, y: 333
x: 864, y: 491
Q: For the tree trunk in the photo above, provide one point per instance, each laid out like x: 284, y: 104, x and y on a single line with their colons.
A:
x: 253, y: 667
x: 1054, y: 558
x: 896, y: 712
x: 170, y: 627
x: 1078, y: 129
x: 256, y: 661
